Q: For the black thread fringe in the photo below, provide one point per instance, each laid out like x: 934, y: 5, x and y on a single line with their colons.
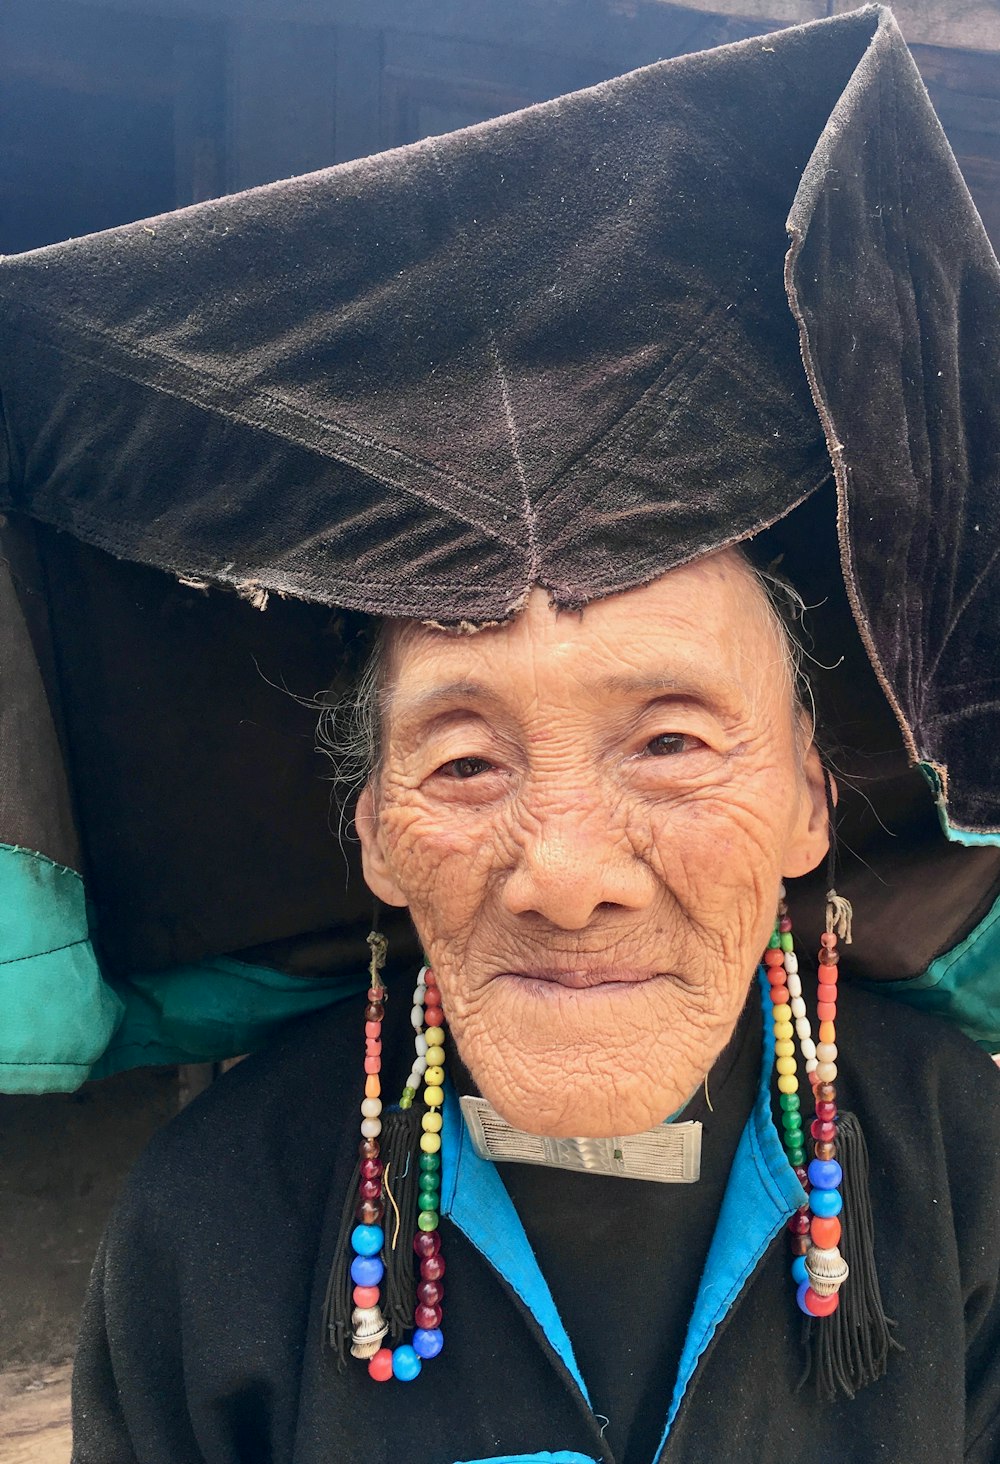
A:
x: 337, y: 1304
x: 850, y: 1349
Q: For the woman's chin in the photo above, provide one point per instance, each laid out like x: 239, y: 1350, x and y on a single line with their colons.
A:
x: 585, y: 1110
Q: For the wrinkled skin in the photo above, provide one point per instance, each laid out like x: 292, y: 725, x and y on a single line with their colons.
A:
x: 608, y: 797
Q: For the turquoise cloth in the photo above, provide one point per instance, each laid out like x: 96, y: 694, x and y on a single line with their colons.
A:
x: 62, y: 1021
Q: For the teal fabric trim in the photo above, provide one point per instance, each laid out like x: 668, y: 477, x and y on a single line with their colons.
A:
x: 212, y: 1010
x: 474, y: 1198
x: 968, y: 837
x: 762, y: 1193
x: 57, y: 1015
x: 963, y: 985
x: 562, y: 1457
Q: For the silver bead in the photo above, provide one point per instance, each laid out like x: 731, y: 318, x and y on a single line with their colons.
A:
x: 826, y: 1268
x: 369, y: 1328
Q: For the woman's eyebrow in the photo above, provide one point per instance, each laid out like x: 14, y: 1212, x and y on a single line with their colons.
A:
x: 712, y: 690
x: 425, y: 704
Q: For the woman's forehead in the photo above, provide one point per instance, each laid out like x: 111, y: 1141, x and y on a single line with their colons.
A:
x: 707, y: 624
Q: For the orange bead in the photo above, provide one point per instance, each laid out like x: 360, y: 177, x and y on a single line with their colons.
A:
x: 776, y: 975
x: 825, y: 992
x: 774, y: 958
x: 825, y: 1232
x: 827, y: 1032
x: 827, y: 1011
x: 373, y: 1085
x: 780, y: 995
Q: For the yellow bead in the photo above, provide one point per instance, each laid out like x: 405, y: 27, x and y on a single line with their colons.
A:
x: 431, y: 1143
x: 784, y: 1049
x: 431, y: 1123
x: 782, y: 1013
x: 434, y: 1076
x: 786, y: 1064
x: 433, y: 1096
x: 435, y: 1037
x: 788, y: 1083
x: 783, y: 1031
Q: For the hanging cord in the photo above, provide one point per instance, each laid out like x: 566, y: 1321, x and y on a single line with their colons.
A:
x: 337, y: 1301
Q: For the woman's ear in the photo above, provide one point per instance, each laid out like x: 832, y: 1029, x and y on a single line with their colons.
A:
x: 374, y: 865
x: 810, y: 838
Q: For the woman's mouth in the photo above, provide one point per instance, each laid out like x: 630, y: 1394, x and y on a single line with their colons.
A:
x: 584, y: 978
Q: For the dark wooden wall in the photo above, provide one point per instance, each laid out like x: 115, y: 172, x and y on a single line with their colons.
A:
x: 113, y: 112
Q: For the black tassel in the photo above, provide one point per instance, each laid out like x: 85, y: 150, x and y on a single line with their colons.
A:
x: 400, y: 1185
x: 850, y: 1349
x: 401, y: 1180
x: 337, y: 1303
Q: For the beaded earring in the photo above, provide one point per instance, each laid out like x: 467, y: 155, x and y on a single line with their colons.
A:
x: 380, y: 1282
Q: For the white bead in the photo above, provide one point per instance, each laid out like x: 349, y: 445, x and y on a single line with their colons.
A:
x: 422, y: 974
x: 420, y: 1043
x: 417, y: 1018
x: 418, y: 995
x: 812, y: 1065
x: 371, y: 1128
x: 413, y: 1081
x: 794, y: 984
x: 791, y: 964
x: 798, y: 1007
x: 827, y: 1052
x: 827, y: 1072
x: 371, y: 1107
x: 808, y: 1048
x: 420, y: 1066
x: 802, y: 1027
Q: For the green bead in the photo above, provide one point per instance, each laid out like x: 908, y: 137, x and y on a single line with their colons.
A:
x: 792, y: 1122
x: 429, y: 1201
x: 410, y: 1093
x: 430, y: 1181
x: 774, y: 944
x: 405, y: 1102
x: 796, y: 1156
x: 787, y: 944
x: 428, y: 1220
x: 430, y: 1163
x: 790, y: 1102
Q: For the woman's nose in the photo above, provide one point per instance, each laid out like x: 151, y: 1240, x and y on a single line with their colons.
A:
x: 573, y: 863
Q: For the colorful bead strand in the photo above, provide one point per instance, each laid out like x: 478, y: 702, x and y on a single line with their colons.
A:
x: 367, y: 1237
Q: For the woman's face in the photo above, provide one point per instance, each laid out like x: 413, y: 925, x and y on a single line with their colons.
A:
x: 588, y: 815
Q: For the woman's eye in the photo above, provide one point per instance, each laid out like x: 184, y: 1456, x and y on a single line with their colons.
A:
x: 668, y: 744
x: 465, y: 767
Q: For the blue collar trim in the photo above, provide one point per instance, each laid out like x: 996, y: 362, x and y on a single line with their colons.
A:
x: 761, y: 1194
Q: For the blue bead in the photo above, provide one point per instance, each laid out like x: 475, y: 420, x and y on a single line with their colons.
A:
x: 367, y: 1270
x: 825, y: 1174
x: 427, y: 1342
x: 405, y: 1364
x: 800, y: 1297
x: 799, y: 1272
x: 367, y: 1240
x: 825, y: 1202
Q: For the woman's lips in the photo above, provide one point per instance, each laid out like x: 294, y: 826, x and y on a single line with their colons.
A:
x: 585, y: 978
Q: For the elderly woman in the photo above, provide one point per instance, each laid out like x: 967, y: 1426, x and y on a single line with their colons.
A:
x: 630, y: 1176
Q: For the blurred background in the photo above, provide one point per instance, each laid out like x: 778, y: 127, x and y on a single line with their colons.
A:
x: 113, y: 112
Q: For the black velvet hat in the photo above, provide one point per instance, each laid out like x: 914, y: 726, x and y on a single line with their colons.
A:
x: 736, y: 295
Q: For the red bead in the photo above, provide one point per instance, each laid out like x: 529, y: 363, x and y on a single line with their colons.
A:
x: 376, y: 993
x: 821, y: 1306
x: 826, y: 1093
x: 370, y: 1212
x: 827, y: 1011
x: 380, y: 1367
x: 829, y: 958
x: 426, y: 1243
x: 828, y: 940
x: 826, y: 1111
x: 801, y: 1175
x: 799, y: 1223
x: 780, y: 996
x: 371, y: 1189
x: 365, y: 1295
x: 371, y: 1169
x: 826, y: 992
x: 427, y: 1316
x: 774, y: 958
x: 432, y: 1268
x: 373, y: 1064
x: 433, y: 1017
x: 429, y: 1293
x: 777, y: 975
x: 368, y: 1148
x: 785, y: 926
x: 373, y: 1029
x: 373, y: 1046
x: 374, y: 1011
x: 823, y: 1130
x: 825, y: 1231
